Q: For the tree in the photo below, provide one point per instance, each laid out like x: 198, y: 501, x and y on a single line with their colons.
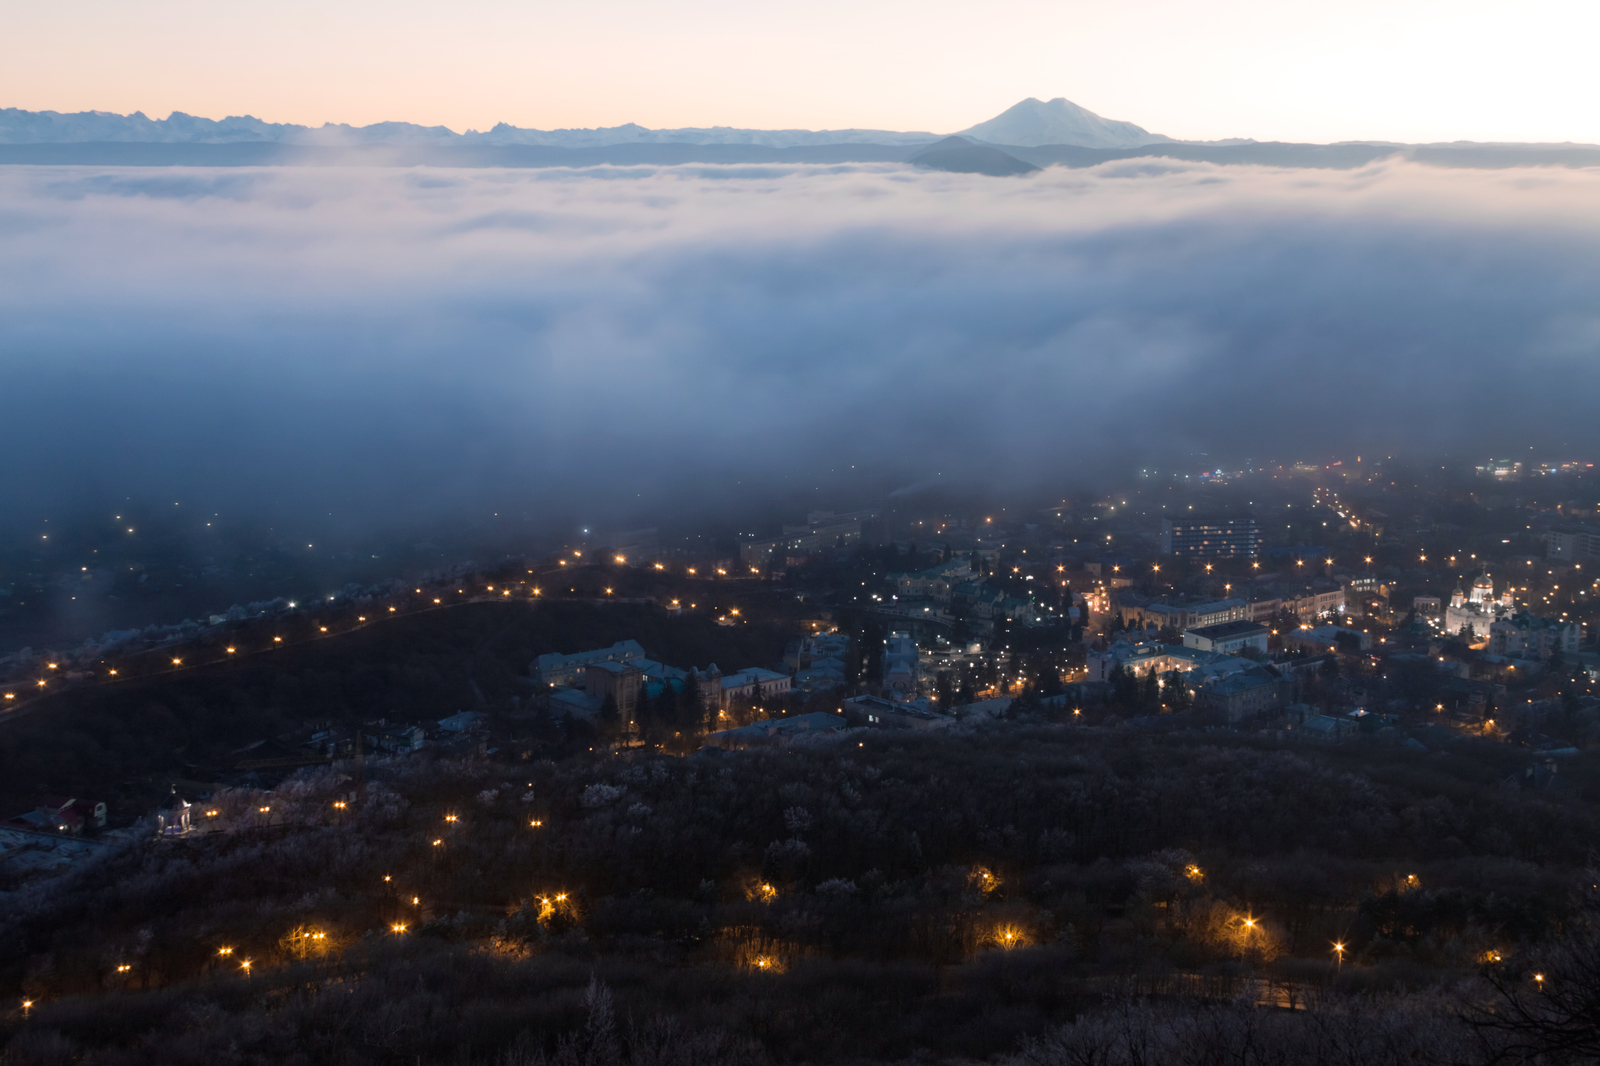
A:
x: 644, y: 718
x: 610, y: 720
x: 689, y: 710
x: 1548, y: 1008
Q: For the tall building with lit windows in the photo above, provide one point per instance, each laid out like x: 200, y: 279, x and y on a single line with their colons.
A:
x: 1210, y: 537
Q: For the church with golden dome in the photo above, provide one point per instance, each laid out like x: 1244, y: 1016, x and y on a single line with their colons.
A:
x: 1476, y: 611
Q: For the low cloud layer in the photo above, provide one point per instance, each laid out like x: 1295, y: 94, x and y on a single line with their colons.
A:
x: 388, y: 343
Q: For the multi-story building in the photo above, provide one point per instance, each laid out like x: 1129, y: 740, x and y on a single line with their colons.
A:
x: 1501, y: 469
x: 936, y: 583
x: 1210, y: 537
x: 558, y: 669
x: 1577, y: 545
x: 1163, y: 615
x: 1229, y: 638
x: 1241, y: 697
x: 1526, y: 636
x: 822, y: 531
x: 1305, y: 605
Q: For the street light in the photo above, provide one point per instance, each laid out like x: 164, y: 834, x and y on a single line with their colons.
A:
x: 1338, y: 954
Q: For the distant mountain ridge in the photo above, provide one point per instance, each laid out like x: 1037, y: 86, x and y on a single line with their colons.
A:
x: 1030, y: 123
x: 1030, y: 134
x: 53, y: 127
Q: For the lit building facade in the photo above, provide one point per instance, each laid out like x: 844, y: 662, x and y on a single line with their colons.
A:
x: 1475, y: 612
x: 1210, y: 537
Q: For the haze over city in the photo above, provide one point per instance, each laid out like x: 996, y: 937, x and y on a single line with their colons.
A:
x: 712, y: 535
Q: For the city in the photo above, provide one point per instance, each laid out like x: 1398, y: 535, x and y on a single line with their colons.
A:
x: 1344, y: 617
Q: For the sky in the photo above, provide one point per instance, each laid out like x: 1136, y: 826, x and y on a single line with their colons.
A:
x: 628, y: 344
x: 1403, y: 70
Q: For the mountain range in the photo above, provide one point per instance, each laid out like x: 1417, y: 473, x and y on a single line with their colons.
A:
x: 1023, y: 138
x: 1030, y: 123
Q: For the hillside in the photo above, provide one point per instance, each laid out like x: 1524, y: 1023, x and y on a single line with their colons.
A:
x: 855, y: 900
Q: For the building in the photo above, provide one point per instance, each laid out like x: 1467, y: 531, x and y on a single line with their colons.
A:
x: 823, y: 530
x: 1230, y: 638
x: 777, y: 731
x: 824, y: 675
x: 558, y: 669
x: 1210, y: 537
x: 398, y: 739
x: 617, y: 681
x: 1501, y: 470
x: 937, y: 583
x: 1319, y: 640
x: 754, y: 684
x: 1241, y: 697
x: 1141, y: 659
x: 1167, y: 616
x: 1525, y: 636
x: 575, y: 703
x: 1428, y: 606
x: 1577, y: 545
x: 1328, y: 729
x: 878, y: 712
x: 172, y: 817
x: 1305, y: 604
x: 62, y: 814
x: 901, y: 665
x: 464, y: 722
x: 1475, y: 612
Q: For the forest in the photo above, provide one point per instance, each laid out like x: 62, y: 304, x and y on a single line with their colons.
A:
x: 1020, y: 891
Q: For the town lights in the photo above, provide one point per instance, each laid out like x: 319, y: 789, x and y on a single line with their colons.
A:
x: 224, y: 951
x: 397, y: 928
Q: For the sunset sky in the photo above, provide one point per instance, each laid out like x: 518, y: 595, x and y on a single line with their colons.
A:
x: 1409, y: 70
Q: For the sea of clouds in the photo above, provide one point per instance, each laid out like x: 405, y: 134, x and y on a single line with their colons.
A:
x: 384, y: 340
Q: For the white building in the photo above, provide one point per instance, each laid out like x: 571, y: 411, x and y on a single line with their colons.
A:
x: 901, y: 665
x: 1227, y: 637
x: 1478, y: 610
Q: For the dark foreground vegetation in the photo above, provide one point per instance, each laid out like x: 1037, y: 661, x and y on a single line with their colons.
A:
x: 124, y: 742
x: 1056, y: 893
